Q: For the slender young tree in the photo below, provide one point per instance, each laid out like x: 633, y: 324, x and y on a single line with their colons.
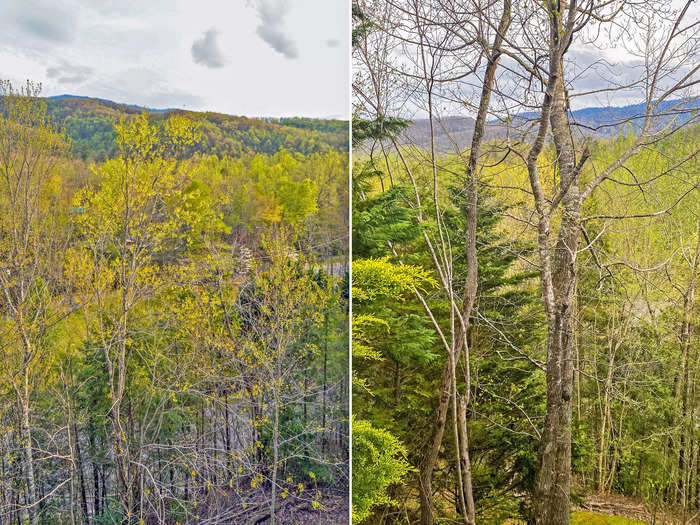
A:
x: 30, y: 158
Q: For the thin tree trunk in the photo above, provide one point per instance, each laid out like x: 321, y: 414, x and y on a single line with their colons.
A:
x: 275, y: 447
x: 470, y: 518
x: 28, y: 456
x: 432, y: 450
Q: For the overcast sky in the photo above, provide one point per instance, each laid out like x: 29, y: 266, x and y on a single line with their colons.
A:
x: 242, y: 57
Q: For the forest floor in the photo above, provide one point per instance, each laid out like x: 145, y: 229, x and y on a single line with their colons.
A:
x: 616, y: 505
x: 334, y: 510
x: 613, y: 509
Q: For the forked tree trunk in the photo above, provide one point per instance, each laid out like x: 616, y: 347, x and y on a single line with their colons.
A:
x: 553, y: 483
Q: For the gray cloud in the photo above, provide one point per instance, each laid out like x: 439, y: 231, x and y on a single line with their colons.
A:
x: 205, y: 51
x: 40, y: 19
x: 271, y: 30
x: 332, y: 42
x: 69, y: 74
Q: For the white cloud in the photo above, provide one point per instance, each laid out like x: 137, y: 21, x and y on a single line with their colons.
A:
x: 65, y: 73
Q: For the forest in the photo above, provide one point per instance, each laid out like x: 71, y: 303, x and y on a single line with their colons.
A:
x: 525, y: 291
x: 90, y: 124
x: 173, y: 316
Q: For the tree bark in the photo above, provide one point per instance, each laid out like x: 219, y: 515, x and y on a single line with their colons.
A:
x: 553, y: 482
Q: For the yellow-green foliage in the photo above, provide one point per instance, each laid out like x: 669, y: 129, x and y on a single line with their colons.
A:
x: 374, y: 279
x: 378, y: 279
x: 378, y: 460
x: 303, y: 191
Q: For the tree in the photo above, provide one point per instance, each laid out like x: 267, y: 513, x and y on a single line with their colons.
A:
x: 30, y: 160
x: 282, y: 303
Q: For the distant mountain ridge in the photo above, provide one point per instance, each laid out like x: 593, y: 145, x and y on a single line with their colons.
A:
x: 602, y: 117
x: 89, y: 122
x: 599, y: 121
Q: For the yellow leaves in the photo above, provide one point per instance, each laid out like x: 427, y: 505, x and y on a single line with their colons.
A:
x: 284, y: 494
x: 312, y: 475
x: 316, y: 505
x: 256, y: 481
x: 85, y: 273
x: 184, y: 386
x: 182, y: 131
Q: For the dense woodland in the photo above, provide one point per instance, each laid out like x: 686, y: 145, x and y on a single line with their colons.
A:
x: 173, y: 316
x: 90, y: 124
x: 525, y: 306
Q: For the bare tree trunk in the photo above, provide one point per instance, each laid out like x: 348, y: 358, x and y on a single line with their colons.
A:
x: 433, y: 449
x: 275, y: 439
x: 470, y: 518
x: 28, y: 456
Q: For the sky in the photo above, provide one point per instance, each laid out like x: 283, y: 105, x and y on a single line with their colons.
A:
x: 243, y: 57
x: 604, y: 66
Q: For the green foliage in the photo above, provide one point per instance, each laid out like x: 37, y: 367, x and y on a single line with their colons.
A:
x: 378, y: 461
x: 360, y: 24
x: 381, y: 219
x: 378, y: 129
x: 91, y: 125
x: 399, y: 378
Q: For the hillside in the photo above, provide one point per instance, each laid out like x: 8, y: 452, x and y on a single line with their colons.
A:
x: 90, y: 124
